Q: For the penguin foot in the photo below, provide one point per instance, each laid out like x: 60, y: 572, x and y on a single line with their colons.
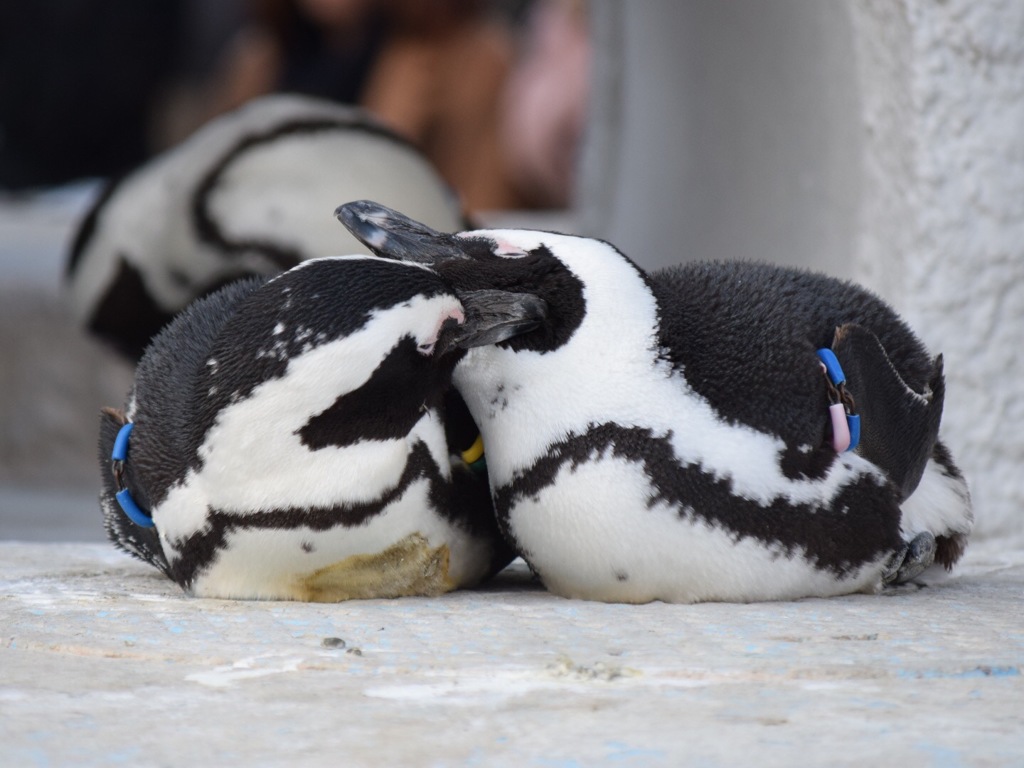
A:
x: 912, y: 560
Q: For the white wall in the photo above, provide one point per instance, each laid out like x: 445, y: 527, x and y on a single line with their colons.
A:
x: 877, y: 139
x: 942, y: 230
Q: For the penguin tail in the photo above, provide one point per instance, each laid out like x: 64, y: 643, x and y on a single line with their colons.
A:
x: 949, y: 549
x: 951, y: 541
x: 142, y: 543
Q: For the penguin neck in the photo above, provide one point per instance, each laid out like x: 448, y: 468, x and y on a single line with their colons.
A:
x: 525, y: 400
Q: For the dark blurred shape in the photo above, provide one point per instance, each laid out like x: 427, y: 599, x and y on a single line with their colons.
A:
x: 324, y: 48
x: 434, y: 71
x: 492, y: 92
x: 78, y: 83
x: 328, y: 48
x: 544, y: 104
x: 438, y: 81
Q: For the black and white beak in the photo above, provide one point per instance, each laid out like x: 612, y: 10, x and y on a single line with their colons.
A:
x: 393, y: 235
x: 492, y: 315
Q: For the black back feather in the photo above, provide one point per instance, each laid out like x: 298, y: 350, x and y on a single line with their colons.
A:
x: 745, y: 335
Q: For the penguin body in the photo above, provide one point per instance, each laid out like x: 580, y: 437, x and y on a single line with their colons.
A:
x: 240, y: 197
x: 289, y: 441
x: 667, y: 436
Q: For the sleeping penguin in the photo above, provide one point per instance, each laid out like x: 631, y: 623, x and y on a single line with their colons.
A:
x: 692, y: 434
x: 240, y: 197
x: 291, y: 438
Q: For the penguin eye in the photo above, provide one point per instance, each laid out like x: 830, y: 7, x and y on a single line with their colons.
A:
x: 475, y: 246
x: 446, y: 339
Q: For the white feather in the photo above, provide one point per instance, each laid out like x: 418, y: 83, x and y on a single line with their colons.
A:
x: 940, y: 504
x: 646, y: 553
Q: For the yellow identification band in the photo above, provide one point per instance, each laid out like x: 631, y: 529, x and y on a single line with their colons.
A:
x: 475, y: 451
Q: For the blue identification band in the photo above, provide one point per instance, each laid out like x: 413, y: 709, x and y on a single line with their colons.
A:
x: 124, y: 497
x: 838, y: 395
x: 833, y: 369
x: 133, y: 510
x: 854, y: 421
x: 121, y: 442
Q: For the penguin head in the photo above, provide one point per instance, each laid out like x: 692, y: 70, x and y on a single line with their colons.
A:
x: 543, y: 284
x: 370, y: 343
x: 161, y: 406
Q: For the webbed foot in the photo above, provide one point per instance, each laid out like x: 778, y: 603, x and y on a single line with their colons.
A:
x: 912, y: 560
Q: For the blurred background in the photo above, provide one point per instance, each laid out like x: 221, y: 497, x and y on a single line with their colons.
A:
x: 878, y: 140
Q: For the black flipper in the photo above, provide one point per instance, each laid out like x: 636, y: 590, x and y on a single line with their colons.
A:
x: 899, y: 427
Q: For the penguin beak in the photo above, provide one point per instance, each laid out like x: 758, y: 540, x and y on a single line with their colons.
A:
x: 392, y: 235
x: 494, y: 316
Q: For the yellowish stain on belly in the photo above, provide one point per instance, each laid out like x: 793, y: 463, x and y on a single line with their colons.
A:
x: 409, y: 567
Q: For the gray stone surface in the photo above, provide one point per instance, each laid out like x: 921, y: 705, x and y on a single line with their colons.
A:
x: 102, y: 661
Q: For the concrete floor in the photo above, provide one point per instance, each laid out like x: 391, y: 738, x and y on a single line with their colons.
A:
x: 103, y: 661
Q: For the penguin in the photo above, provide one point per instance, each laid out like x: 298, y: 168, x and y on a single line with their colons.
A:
x: 292, y: 438
x: 685, y: 435
x: 240, y: 197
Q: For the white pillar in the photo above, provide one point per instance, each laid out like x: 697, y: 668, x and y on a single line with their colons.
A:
x: 723, y: 130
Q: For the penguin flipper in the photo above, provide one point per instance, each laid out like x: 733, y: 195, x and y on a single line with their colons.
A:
x: 899, y: 427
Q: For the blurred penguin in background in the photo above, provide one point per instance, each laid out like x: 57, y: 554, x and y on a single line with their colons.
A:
x: 251, y: 194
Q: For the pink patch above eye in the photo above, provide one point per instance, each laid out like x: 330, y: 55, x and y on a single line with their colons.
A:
x: 501, y: 247
x: 505, y: 248
x: 456, y: 314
